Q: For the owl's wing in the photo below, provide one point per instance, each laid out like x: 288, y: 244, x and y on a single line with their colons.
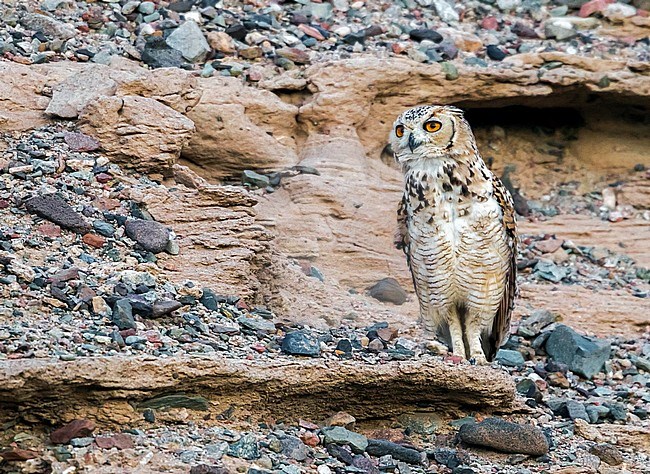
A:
x: 401, y: 234
x: 501, y: 323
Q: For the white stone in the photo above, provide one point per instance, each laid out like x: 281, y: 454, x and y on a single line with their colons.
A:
x: 445, y: 11
x: 619, y: 11
x: 189, y: 40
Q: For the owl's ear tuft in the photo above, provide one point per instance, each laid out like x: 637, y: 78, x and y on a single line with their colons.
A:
x: 455, y: 110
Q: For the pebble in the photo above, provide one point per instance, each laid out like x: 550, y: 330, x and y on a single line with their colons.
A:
x: 583, y: 356
x: 188, y: 39
x: 340, y: 436
x: 246, y: 448
x: 388, y: 290
x: 301, y: 343
x: 55, y: 209
x: 510, y: 358
x: 151, y: 235
x: 378, y: 447
x: 123, y: 315
x: 75, y: 429
x: 505, y: 436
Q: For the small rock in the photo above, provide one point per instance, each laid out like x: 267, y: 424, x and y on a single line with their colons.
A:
x: 254, y: 179
x: 506, y: 437
x: 420, y: 34
x: 104, y: 228
x: 188, y: 39
x: 550, y: 271
x: 296, y: 55
x: 119, y: 441
x: 340, y: 436
x: 582, y: 356
x: 157, y: 54
x: 80, y: 141
x: 151, y: 235
x: 388, y: 290
x: 301, y: 343
x: 510, y: 358
x: 445, y: 11
x: 608, y: 453
x: 533, y: 324
x: 294, y: 448
x: 341, y: 418
x: 123, y: 314
x: 94, y: 240
x: 55, y: 209
x: 495, y: 52
x: 576, y: 410
x: 164, y: 307
x: 17, y: 454
x: 380, y: 447
x: 221, y: 41
x: 246, y: 448
x: 254, y: 324
x: 101, y: 307
x: 74, y: 429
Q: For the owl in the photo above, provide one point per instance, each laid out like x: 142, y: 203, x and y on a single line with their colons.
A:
x: 456, y: 225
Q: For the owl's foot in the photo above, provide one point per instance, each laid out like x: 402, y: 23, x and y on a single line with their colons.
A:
x: 478, y: 359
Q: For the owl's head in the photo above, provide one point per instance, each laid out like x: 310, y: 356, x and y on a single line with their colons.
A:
x: 431, y: 131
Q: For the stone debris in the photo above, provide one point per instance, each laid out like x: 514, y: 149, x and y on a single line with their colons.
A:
x: 505, y: 436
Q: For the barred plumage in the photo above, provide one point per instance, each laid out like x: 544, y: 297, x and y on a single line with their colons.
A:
x: 456, y: 225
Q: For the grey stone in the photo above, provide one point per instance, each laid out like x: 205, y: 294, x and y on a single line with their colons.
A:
x: 510, y: 358
x: 294, y: 448
x: 54, y: 208
x: 550, y: 271
x: 582, y: 355
x: 164, y: 307
x: 608, y: 453
x: 641, y: 363
x: 82, y: 442
x: 576, y: 410
x: 618, y: 411
x: 176, y: 400
x: 151, y: 235
x: 301, y: 343
x: 445, y: 11
x: 157, y: 53
x: 245, y: 448
x: 48, y: 25
x: 123, y: 314
x: 380, y: 447
x: 535, y: 323
x: 560, y: 30
x: 261, y: 325
x: 147, y: 8
x: 254, y: 179
x: 388, y: 290
x: 104, y: 228
x: 189, y: 40
x: 504, y: 436
x: 340, y: 436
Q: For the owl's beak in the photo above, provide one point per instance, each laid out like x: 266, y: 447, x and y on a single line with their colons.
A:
x: 413, y: 143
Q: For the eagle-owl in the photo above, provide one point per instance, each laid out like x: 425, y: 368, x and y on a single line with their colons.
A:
x: 456, y: 225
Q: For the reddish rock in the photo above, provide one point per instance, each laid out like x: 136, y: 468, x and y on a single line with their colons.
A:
x: 80, y: 141
x: 490, y: 23
x: 103, y: 177
x: 294, y: 54
x: 119, y: 441
x: 308, y: 425
x: 49, y: 230
x: 17, y: 454
x: 549, y: 246
x: 594, y: 6
x: 4, y: 204
x: 311, y: 31
x: 310, y: 439
x: 387, y: 334
x: 106, y: 204
x: 94, y: 240
x: 74, y: 429
x: 65, y: 275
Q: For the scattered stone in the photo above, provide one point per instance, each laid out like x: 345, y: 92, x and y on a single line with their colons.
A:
x: 164, y: 307
x: 340, y: 436
x: 505, y: 437
x: 301, y: 343
x: 510, y: 358
x: 255, y: 179
x: 576, y: 410
x: 119, y: 441
x: 151, y: 235
x: 379, y: 447
x: 188, y: 39
x: 421, y: 34
x: 421, y: 423
x: 123, y: 314
x: 341, y: 418
x: 495, y: 52
x: 17, y: 454
x: 53, y: 208
x: 608, y: 454
x: 80, y: 141
x: 74, y: 429
x: 388, y: 290
x: 583, y: 356
x: 532, y: 325
x: 246, y: 448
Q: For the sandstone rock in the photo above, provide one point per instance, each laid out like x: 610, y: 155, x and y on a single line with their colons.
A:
x: 97, y: 387
x: 137, y: 132
x: 240, y: 128
x: 78, y: 90
x: 21, y: 102
x: 221, y: 41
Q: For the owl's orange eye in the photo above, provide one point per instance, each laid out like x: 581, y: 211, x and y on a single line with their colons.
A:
x: 399, y: 131
x: 432, y: 126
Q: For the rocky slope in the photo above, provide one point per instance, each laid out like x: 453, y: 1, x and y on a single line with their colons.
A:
x: 196, y: 260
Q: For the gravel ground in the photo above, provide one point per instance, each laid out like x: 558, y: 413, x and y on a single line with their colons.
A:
x: 78, y: 278
x: 260, y: 39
